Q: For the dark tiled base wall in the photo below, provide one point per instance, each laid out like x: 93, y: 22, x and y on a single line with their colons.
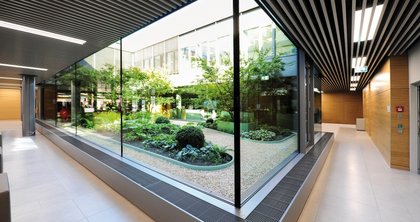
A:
x: 277, y: 202
x: 272, y: 208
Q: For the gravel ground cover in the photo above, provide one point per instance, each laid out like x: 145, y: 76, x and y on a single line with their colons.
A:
x: 257, y: 159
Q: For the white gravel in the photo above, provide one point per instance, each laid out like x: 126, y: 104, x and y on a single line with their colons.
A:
x: 257, y: 160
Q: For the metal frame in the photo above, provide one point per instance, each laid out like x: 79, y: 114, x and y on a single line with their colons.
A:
x: 121, y: 100
x: 237, y: 103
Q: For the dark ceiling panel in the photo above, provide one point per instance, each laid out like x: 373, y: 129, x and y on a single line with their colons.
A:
x: 325, y: 29
x: 99, y: 22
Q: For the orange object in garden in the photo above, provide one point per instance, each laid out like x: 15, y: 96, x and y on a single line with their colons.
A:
x: 64, y: 114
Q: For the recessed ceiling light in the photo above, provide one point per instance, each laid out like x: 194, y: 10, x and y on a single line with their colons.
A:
x: 358, y: 62
x: 40, y: 32
x: 353, y: 85
x: 23, y: 67
x: 354, y: 78
x: 352, y: 89
x: 11, y: 78
x: 366, y: 34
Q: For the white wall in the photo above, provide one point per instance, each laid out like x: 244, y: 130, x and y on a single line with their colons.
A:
x: 414, y: 80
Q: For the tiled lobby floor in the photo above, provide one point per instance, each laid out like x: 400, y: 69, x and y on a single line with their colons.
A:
x: 357, y: 185
x: 47, y: 185
x: 354, y: 185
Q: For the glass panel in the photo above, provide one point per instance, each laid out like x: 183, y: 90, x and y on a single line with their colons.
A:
x: 172, y: 108
x: 99, y: 89
x: 66, y: 107
x: 48, y: 106
x: 317, y: 103
x: 269, y: 106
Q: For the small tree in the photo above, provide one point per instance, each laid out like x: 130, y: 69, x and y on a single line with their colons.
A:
x: 216, y: 83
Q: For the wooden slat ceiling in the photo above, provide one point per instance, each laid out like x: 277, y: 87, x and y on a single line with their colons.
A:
x: 99, y: 22
x: 325, y: 29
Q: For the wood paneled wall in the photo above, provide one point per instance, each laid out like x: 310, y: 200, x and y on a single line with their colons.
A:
x: 341, y: 107
x: 388, y: 89
x: 376, y: 100
x: 400, y: 147
x: 9, y: 104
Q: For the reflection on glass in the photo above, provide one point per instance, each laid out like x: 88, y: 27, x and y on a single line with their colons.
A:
x: 48, y: 106
x: 98, y: 116
x: 269, y: 112
x: 317, y: 103
x: 66, y: 95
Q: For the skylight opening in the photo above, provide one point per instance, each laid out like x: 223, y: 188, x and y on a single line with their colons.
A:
x: 41, y: 32
x: 366, y: 34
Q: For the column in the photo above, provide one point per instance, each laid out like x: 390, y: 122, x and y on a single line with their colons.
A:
x: 28, y: 105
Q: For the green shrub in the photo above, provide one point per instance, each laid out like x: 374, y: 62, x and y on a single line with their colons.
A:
x: 210, y: 123
x: 107, y: 121
x: 190, y: 135
x: 129, y: 136
x: 168, y: 128
x: 273, y: 129
x: 142, y: 115
x: 162, y: 120
x: 214, y: 153
x: 209, y: 120
x: 225, y: 117
x: 260, y: 134
x: 187, y: 153
x: 285, y: 132
x: 163, y: 141
x: 209, y: 153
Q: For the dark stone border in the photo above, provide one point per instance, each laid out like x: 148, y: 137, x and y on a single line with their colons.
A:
x: 274, y: 206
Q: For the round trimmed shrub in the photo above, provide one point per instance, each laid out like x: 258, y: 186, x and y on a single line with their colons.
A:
x: 190, y: 135
x: 162, y: 120
x: 209, y: 121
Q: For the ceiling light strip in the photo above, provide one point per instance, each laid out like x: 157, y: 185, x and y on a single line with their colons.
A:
x: 41, y: 32
x: 23, y: 67
x: 10, y: 78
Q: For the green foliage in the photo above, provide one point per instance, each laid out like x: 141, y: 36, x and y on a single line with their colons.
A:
x: 190, y: 135
x: 107, y: 121
x: 162, y: 120
x: 258, y: 70
x: 260, y: 134
x: 210, y: 123
x: 129, y: 136
x: 224, y: 116
x: 214, y: 153
x: 209, y: 153
x: 209, y: 120
x: 143, y: 131
x: 163, y: 141
x: 187, y: 153
x: 87, y: 122
x: 142, y: 115
x: 216, y: 83
x: 285, y: 132
x: 274, y: 129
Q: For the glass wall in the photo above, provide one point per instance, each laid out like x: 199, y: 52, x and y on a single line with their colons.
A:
x: 317, y: 102
x: 269, y: 110
x: 99, y: 82
x: 176, y: 101
x: 66, y: 97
